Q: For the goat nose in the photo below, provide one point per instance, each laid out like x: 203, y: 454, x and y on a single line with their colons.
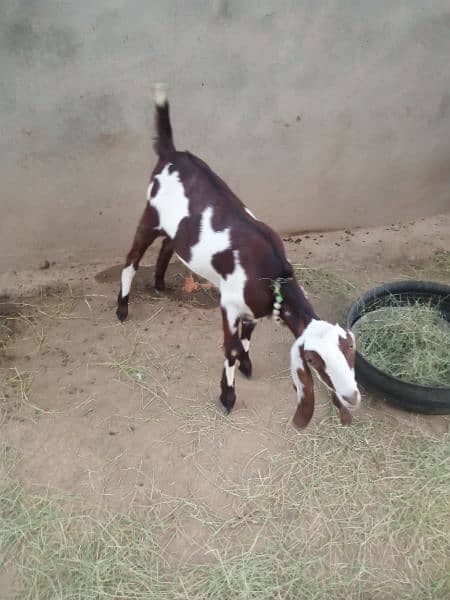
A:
x: 353, y: 399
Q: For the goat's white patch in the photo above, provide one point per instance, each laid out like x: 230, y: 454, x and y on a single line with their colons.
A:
x: 320, y: 379
x: 232, y: 315
x: 323, y: 338
x: 232, y: 292
x: 171, y: 203
x: 210, y: 242
x: 245, y: 344
x: 128, y: 274
x: 160, y: 93
x: 296, y: 364
x: 229, y: 372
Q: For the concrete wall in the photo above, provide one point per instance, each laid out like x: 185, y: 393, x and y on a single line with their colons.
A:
x: 319, y: 114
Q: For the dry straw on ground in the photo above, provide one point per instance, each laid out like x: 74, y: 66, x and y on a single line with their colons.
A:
x: 344, y: 513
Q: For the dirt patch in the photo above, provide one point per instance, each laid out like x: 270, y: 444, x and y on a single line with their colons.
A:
x: 95, y: 388
x: 127, y: 417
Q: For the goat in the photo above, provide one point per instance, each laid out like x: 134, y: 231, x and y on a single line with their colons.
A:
x: 217, y: 237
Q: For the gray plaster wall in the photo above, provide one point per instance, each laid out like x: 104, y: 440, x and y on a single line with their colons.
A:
x: 318, y: 114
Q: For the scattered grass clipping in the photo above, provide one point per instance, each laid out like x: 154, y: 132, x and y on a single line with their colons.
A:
x: 409, y: 342
x: 441, y: 261
x: 320, y: 281
x: 435, y: 268
x: 358, y: 512
x: 5, y: 332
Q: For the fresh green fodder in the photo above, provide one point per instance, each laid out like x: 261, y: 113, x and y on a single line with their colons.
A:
x: 410, y: 342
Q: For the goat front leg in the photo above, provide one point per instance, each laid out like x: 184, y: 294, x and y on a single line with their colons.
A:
x: 245, y: 364
x: 165, y: 254
x: 145, y: 235
x: 233, y: 348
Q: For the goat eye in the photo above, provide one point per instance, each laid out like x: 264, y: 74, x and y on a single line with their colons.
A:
x: 309, y: 361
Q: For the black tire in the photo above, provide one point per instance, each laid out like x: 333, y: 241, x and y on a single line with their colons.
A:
x: 408, y: 396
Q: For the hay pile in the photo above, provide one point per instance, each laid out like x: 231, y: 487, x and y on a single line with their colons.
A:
x: 409, y: 342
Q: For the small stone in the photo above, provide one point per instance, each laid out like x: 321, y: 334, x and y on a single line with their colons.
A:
x: 45, y: 265
x: 277, y: 305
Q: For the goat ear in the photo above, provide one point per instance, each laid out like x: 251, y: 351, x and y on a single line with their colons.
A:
x: 344, y: 414
x: 305, y: 408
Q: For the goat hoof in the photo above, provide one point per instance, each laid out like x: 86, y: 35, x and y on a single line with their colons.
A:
x: 122, y: 313
x: 228, y: 398
x: 160, y: 286
x: 245, y: 367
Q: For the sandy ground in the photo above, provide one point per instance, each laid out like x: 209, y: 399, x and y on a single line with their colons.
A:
x: 113, y: 412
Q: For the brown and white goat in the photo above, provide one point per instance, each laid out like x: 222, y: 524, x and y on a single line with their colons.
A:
x: 218, y: 238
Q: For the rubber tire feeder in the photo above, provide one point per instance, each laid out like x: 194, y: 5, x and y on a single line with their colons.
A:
x: 402, y: 394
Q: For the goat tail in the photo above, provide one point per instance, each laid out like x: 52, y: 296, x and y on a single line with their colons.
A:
x: 163, y: 142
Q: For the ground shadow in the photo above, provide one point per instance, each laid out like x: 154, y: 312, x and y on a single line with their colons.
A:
x: 203, y: 297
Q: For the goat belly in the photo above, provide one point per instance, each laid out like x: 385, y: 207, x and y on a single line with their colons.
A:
x: 203, y: 270
x: 211, y: 243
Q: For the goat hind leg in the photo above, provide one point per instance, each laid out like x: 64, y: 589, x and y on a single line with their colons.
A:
x: 145, y: 235
x: 165, y: 254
